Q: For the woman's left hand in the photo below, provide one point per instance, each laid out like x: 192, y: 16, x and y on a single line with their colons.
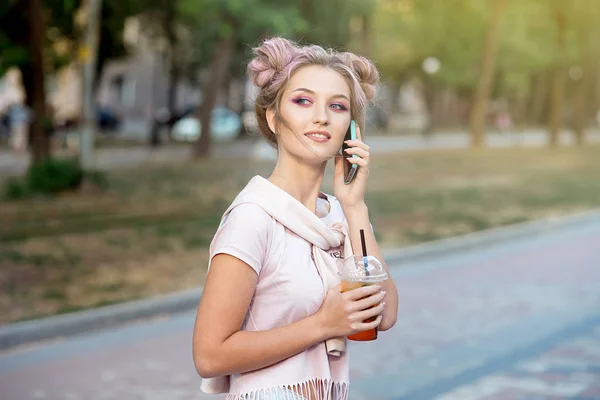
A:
x: 352, y: 195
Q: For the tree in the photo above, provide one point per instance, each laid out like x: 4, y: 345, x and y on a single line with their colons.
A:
x: 557, y: 97
x: 524, y: 55
x: 163, y: 22
x: 342, y: 24
x: 42, y: 47
x: 585, y: 16
x: 39, y: 138
x: 23, y: 31
x: 486, y: 78
x: 406, y: 33
x: 215, y: 28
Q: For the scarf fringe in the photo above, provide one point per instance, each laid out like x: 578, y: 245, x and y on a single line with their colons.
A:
x: 314, y: 389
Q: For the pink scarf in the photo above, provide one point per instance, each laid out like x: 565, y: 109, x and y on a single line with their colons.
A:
x: 297, y: 218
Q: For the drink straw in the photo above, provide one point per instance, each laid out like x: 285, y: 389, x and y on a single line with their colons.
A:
x: 364, y: 250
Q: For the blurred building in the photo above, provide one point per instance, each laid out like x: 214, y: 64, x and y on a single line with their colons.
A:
x: 133, y: 87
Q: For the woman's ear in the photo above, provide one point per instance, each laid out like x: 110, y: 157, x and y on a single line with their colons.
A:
x: 270, y: 115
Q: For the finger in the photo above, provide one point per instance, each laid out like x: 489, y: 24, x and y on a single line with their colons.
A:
x: 361, y: 162
x: 359, y: 152
x: 369, y: 313
x: 368, y: 302
x: 358, y: 143
x: 358, y: 134
x: 362, y: 292
x: 371, y: 325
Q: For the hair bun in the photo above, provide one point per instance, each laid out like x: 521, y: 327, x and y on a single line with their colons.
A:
x: 270, y: 58
x: 365, y: 71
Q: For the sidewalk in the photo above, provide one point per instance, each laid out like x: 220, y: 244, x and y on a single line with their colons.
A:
x: 569, y: 370
x: 515, y: 320
x: 255, y: 147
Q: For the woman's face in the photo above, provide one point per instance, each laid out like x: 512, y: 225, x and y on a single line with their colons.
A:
x: 316, y: 106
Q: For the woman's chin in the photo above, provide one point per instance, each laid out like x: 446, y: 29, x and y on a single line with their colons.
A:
x: 320, y: 158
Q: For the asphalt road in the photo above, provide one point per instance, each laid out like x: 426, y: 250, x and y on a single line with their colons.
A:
x: 516, y: 320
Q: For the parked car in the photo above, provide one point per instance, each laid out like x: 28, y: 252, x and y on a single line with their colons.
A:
x: 106, y: 120
x: 225, y: 125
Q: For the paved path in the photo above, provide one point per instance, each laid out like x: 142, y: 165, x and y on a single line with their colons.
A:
x: 517, y: 320
x: 12, y: 164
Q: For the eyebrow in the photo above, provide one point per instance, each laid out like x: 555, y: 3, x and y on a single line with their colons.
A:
x: 313, y: 92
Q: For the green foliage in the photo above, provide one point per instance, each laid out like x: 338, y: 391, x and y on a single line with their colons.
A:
x: 12, y: 54
x: 249, y: 20
x: 332, y: 22
x: 15, y: 189
x: 408, y: 31
x: 13, y: 37
x: 53, y: 175
x: 61, y: 26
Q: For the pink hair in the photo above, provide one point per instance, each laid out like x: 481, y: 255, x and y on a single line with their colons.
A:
x: 277, y: 59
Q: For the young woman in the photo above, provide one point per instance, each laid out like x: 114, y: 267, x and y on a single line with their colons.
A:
x: 266, y: 313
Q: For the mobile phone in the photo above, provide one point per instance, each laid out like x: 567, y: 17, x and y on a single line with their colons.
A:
x: 350, y: 169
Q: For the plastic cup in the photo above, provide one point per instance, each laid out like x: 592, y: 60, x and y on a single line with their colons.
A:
x: 357, y: 271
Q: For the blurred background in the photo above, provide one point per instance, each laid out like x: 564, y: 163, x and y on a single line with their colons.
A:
x: 127, y: 127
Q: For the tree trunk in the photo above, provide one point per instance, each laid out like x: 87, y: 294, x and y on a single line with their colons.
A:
x: 579, y: 105
x: 172, y: 96
x: 429, y: 95
x: 218, y: 69
x: 486, y: 79
x: 34, y: 82
x: 226, y: 91
x: 594, y: 105
x: 169, y: 27
x: 156, y: 119
x: 539, y: 98
x: 557, y: 99
x: 519, y: 109
x: 367, y: 43
x: 582, y: 92
x: 395, y: 97
x: 243, y: 92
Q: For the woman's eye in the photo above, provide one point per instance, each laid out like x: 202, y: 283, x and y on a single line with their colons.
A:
x: 340, y: 107
x: 302, y: 101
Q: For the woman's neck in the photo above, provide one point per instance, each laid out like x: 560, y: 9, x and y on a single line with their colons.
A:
x: 301, y: 181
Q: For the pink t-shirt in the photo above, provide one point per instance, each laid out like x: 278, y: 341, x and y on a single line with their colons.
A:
x: 289, y: 288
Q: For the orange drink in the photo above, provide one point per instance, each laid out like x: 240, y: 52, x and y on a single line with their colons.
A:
x: 355, y: 272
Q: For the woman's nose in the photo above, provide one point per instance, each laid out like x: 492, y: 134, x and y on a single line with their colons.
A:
x: 321, y: 115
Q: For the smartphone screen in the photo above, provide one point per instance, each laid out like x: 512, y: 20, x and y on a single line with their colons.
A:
x: 349, y: 168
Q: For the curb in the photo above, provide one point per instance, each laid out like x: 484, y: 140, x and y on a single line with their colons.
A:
x: 489, y: 237
x: 75, y: 323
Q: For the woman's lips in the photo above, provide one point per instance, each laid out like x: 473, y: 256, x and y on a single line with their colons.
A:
x: 318, y: 136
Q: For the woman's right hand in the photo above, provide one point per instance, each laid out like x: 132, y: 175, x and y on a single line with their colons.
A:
x: 343, y: 314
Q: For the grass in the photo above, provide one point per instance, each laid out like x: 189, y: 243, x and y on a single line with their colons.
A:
x: 150, y: 233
